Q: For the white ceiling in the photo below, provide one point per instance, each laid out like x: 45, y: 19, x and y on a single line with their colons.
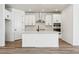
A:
x: 38, y: 7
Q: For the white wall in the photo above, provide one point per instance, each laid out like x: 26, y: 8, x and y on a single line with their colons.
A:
x: 76, y: 24
x: 2, y: 25
x: 17, y: 28
x: 8, y: 26
x: 7, y: 14
x: 67, y: 20
x: 14, y: 26
x: 70, y: 17
x: 8, y: 30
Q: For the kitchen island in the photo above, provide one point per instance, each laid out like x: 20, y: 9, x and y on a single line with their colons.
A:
x: 40, y: 39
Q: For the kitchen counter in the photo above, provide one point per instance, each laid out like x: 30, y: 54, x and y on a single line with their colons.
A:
x: 40, y: 39
x: 40, y: 32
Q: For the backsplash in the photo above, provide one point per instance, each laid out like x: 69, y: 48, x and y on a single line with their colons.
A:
x: 42, y: 27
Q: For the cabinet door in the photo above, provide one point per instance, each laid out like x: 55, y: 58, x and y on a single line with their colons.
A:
x: 30, y: 20
x: 57, y: 18
x: 48, y: 19
x: 26, y: 20
x: 42, y: 16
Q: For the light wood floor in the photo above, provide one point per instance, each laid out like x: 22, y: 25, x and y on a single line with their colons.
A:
x: 63, y: 44
x: 18, y: 44
x: 39, y: 50
x: 15, y: 48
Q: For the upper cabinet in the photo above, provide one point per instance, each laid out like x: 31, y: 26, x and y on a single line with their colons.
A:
x: 56, y: 18
x: 29, y: 19
x: 48, y: 20
x: 7, y: 14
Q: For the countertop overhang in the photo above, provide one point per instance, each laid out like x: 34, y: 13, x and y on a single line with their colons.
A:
x: 40, y: 32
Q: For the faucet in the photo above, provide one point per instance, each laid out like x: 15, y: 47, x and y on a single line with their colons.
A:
x: 38, y: 28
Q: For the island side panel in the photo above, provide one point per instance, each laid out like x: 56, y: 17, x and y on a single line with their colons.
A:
x: 40, y: 40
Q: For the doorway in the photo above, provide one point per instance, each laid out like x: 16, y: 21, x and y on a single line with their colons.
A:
x: 8, y: 34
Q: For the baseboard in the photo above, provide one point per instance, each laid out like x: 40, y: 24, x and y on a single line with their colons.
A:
x: 18, y: 39
x: 9, y: 41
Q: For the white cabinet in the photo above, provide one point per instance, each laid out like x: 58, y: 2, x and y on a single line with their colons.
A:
x: 7, y: 14
x: 48, y: 20
x: 33, y: 19
x: 56, y: 18
x: 26, y: 20
x: 40, y: 39
x: 42, y: 16
x: 29, y: 19
x: 57, y: 24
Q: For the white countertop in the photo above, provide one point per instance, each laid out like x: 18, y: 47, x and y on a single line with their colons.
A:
x: 40, y: 32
